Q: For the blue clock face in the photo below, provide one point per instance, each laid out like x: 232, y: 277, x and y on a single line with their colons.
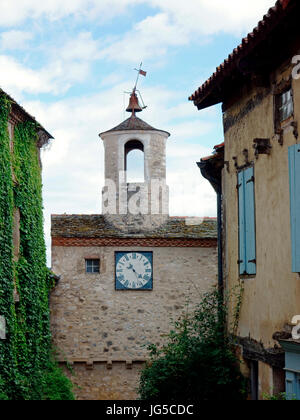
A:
x: 134, y: 271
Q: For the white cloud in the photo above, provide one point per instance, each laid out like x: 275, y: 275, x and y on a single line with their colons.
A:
x: 177, y: 24
x: 111, y: 79
x: 188, y: 129
x: 16, y: 78
x: 148, y: 39
x: 204, y: 16
x: 68, y: 64
x: 14, y: 12
x: 180, y: 23
x: 212, y: 16
x: 14, y: 40
x: 190, y: 193
x: 83, y: 47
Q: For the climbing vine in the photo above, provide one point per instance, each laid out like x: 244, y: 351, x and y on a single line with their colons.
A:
x: 7, y: 348
x: 27, y: 368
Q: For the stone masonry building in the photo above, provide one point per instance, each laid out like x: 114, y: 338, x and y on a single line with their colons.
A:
x: 257, y: 172
x: 125, y: 273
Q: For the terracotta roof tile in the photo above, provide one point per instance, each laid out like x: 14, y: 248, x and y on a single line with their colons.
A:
x: 270, y: 20
x: 219, y: 146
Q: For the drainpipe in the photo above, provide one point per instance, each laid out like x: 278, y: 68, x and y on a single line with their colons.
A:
x: 209, y: 173
x: 220, y: 242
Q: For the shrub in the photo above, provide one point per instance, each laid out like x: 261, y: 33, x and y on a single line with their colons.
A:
x: 282, y: 396
x: 55, y: 385
x: 197, y: 362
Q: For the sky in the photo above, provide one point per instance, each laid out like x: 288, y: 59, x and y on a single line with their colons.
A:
x: 69, y: 63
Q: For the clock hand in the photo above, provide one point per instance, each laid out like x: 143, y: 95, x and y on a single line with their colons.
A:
x: 138, y: 276
x: 131, y: 268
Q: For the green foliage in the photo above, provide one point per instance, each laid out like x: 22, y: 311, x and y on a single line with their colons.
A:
x: 26, y: 365
x: 3, y: 394
x: 56, y: 386
x: 282, y: 396
x: 197, y: 362
x: 7, y: 348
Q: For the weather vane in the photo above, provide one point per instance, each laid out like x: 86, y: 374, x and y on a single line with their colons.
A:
x: 143, y: 73
x: 134, y: 105
x: 140, y: 72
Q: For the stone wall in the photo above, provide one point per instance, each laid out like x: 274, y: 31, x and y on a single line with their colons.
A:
x: 271, y: 297
x: 105, y: 381
x: 274, y: 285
x: 95, y: 325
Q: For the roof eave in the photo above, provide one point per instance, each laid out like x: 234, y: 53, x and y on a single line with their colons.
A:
x: 211, y: 92
x: 42, y: 132
x: 132, y: 131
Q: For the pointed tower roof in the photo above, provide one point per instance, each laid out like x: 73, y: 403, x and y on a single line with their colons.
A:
x: 133, y: 123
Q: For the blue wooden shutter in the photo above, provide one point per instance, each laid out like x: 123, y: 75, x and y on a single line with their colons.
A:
x: 294, y: 168
x: 242, y: 239
x: 247, y: 235
x: 292, y: 385
x: 250, y: 221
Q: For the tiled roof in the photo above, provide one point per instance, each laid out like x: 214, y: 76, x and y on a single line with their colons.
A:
x: 219, y: 146
x: 217, y: 149
x: 133, y: 123
x: 95, y: 226
x: 264, y: 28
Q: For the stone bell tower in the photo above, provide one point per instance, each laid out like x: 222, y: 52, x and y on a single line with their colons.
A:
x: 141, y: 205
x: 105, y: 311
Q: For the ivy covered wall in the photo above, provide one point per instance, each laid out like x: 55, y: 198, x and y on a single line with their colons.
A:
x: 27, y: 368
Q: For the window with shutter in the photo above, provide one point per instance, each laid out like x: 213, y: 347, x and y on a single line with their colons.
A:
x: 294, y: 169
x: 247, y: 235
x: 292, y: 385
x: 285, y: 105
x: 292, y: 368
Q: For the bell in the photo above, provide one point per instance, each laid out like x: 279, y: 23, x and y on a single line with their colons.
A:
x: 134, y: 105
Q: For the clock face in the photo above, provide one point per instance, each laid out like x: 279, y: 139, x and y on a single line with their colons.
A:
x: 134, y: 271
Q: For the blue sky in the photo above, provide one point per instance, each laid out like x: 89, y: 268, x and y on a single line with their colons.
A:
x: 69, y: 63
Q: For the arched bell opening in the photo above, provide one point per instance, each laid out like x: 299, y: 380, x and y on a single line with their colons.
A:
x: 134, y: 161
